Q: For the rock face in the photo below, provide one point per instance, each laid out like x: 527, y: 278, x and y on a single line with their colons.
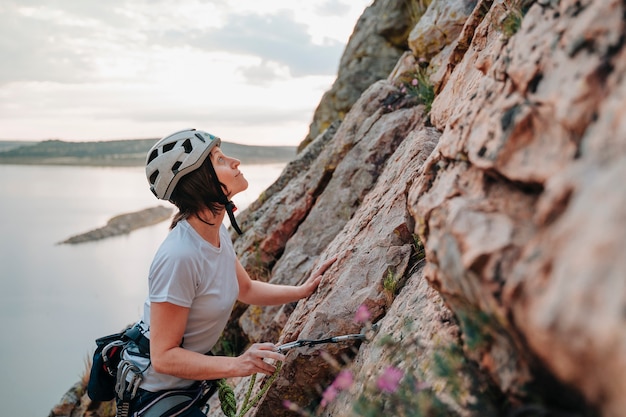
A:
x: 379, y: 39
x: 518, y: 207
x: 485, y: 237
x: 513, y: 223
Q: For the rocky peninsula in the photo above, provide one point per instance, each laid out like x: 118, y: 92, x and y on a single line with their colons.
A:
x: 123, y: 224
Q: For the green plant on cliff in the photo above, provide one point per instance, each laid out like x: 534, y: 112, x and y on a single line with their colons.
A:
x: 392, y: 282
x: 509, y: 18
x: 398, y: 393
x: 391, y: 285
x: 418, y: 246
x: 476, y: 326
x: 398, y: 387
x: 417, y: 84
x: 262, y: 197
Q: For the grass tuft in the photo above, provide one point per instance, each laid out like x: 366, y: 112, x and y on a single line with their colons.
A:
x: 509, y: 20
x: 417, y: 84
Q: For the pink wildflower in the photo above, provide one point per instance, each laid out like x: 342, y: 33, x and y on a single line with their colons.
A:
x: 343, y: 380
x: 390, y: 379
x: 414, y: 82
x: 362, y: 314
x: 329, y: 395
x: 290, y: 406
x: 421, y: 386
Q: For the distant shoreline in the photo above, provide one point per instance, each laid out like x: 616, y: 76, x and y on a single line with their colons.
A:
x: 122, y: 153
x: 88, y: 162
x: 91, y: 162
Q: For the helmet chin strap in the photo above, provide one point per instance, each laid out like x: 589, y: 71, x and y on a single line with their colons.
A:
x: 230, y: 209
x: 228, y: 205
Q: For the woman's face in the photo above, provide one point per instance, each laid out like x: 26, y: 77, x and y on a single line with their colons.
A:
x: 227, y: 170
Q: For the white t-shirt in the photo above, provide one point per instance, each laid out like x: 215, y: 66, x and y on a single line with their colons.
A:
x: 190, y: 272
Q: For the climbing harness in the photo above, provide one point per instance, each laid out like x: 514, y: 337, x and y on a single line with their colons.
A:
x: 107, y: 357
x: 175, y: 402
x: 113, y: 376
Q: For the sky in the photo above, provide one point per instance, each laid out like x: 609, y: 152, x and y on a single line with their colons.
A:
x: 248, y: 71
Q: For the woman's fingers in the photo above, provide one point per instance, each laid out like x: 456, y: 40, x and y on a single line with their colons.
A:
x: 258, y: 353
x: 315, y: 278
x: 325, y: 266
x: 270, y: 352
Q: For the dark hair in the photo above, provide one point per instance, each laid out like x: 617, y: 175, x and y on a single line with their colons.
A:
x: 196, y: 191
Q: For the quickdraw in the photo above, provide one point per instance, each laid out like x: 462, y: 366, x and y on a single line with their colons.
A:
x: 310, y: 342
x: 227, y: 395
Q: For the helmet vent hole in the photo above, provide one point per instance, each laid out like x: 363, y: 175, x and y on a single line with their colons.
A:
x: 168, y: 147
x: 188, y: 146
x: 153, y: 155
x: 154, y: 177
x: 175, y: 167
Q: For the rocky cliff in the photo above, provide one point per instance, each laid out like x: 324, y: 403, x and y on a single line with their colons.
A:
x: 378, y: 41
x: 474, y: 200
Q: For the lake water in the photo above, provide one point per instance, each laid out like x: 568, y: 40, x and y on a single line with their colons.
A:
x: 57, y: 299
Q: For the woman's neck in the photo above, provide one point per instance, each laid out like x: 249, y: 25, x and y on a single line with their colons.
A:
x: 207, y: 226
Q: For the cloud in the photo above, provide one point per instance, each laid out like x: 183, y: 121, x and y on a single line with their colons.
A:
x: 138, y: 67
x: 260, y: 75
x: 252, y: 116
x: 55, y: 41
x: 276, y: 38
x: 36, y: 50
x: 333, y: 8
x: 70, y: 41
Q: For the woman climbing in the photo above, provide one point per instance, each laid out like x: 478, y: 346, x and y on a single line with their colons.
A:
x: 194, y: 281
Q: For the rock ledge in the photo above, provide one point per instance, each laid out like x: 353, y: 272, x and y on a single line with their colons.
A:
x: 123, y: 224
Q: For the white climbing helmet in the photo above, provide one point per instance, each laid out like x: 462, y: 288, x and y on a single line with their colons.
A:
x: 176, y: 155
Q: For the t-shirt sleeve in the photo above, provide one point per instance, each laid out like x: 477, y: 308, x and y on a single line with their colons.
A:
x: 172, y: 279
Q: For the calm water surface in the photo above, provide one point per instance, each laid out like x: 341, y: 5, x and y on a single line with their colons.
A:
x: 56, y: 299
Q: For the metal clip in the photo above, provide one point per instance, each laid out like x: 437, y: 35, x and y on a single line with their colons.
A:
x: 105, y: 356
x: 122, y: 386
x: 366, y: 335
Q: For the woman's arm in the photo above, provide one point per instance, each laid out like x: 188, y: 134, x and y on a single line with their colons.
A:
x: 167, y: 326
x: 265, y: 294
